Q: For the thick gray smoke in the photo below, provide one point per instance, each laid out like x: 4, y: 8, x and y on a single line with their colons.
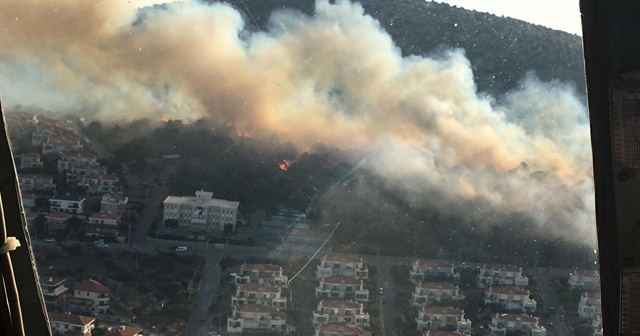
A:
x: 336, y: 78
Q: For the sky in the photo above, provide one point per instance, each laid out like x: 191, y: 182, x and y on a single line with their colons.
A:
x: 557, y: 14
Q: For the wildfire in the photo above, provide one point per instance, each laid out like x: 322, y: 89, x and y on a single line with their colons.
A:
x: 284, y: 164
x: 164, y: 118
x: 242, y: 134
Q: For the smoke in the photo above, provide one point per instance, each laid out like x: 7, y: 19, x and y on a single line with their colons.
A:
x: 335, y: 77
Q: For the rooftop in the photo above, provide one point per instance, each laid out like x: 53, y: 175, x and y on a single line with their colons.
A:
x: 91, y: 286
x: 66, y: 198
x: 249, y: 287
x: 441, y: 310
x: 253, y: 308
x: 123, y: 330
x: 348, y: 329
x: 341, y: 258
x: 339, y: 304
x: 71, y: 318
x: 104, y: 215
x: 261, y: 267
x: 437, y: 285
x: 31, y: 155
x: 585, y: 273
x: 51, y: 281
x: 341, y: 280
x: 211, y: 202
x: 444, y: 333
x: 101, y: 177
x: 35, y: 176
x: 592, y: 295
x: 433, y: 263
x: 80, y: 154
x: 58, y: 215
x: 502, y: 267
x: 114, y: 198
x: 515, y: 318
x: 507, y: 290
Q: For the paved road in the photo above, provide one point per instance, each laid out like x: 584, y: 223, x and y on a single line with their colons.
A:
x: 158, y: 194
x: 386, y: 282
x: 550, y: 299
x: 199, y: 322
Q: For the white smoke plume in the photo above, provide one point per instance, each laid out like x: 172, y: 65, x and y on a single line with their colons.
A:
x: 335, y: 77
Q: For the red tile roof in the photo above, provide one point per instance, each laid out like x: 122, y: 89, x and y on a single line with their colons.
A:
x: 507, y: 290
x: 71, y: 318
x: 341, y: 258
x: 433, y: 263
x: 341, y: 280
x: 432, y: 310
x: 91, y: 286
x: 35, y: 176
x: 104, y: 215
x: 342, y: 329
x: 592, y: 295
x: 123, y: 331
x: 260, y: 267
x: 515, y: 318
x: 437, y: 285
x: 58, y: 215
x: 339, y: 304
x: 443, y: 333
x: 502, y: 267
x: 249, y: 287
x: 101, y: 177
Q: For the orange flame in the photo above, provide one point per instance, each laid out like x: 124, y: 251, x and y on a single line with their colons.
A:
x: 284, y: 165
x: 244, y: 134
x: 164, y: 118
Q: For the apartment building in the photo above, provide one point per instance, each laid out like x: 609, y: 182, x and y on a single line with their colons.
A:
x: 503, y: 324
x: 53, y: 289
x: 262, y: 274
x: 422, y: 269
x: 430, y: 318
x: 68, y: 159
x: 74, y: 175
x: 510, y: 298
x: 71, y: 324
x: 56, y: 144
x: 344, y: 265
x: 590, y: 305
x: 67, y: 204
x: 100, y: 184
x: 501, y: 275
x: 114, y: 203
x: 201, y: 212
x: 89, y: 297
x: 28, y: 200
x: 123, y: 330
x: 259, y: 294
x: 250, y: 317
x: 584, y: 279
x: 426, y: 293
x: 30, y: 161
x: 342, y: 329
x: 340, y: 287
x: 57, y: 221
x: 36, y: 182
x: 103, y: 224
x: 340, y: 311
x: 433, y: 332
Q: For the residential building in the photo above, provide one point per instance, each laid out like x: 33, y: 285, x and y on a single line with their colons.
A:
x: 442, y: 318
x: 423, y: 269
x: 71, y: 324
x: 251, y: 317
x: 340, y: 311
x: 262, y: 274
x: 30, y: 161
x: 201, y: 212
x: 501, y: 275
x: 590, y: 305
x: 426, y: 293
x: 342, y: 329
x: 30, y: 216
x: 100, y: 184
x: 259, y: 294
x: 42, y: 134
x: 57, y: 221
x: 510, y: 298
x: 67, y: 203
x: 103, y: 224
x: 90, y: 297
x: 53, y: 290
x: 584, y: 279
x: 340, y: 287
x: 124, y: 330
x: 344, y: 265
x: 57, y: 144
x: 28, y: 200
x: 36, y: 182
x: 596, y: 324
x: 114, y: 203
x: 503, y: 324
x: 433, y: 332
x: 68, y: 159
x: 74, y: 175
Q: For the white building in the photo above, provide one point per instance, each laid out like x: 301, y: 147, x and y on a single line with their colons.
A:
x: 340, y: 311
x: 90, y: 297
x: 262, y: 274
x: 501, y: 324
x: 68, y: 159
x: 64, y: 323
x: 36, y: 182
x: 590, y: 305
x: 430, y: 318
x: 584, y: 279
x: 61, y: 143
x: 202, y: 211
x: 424, y: 268
x: 30, y: 161
x: 501, y: 275
x: 257, y: 318
x: 103, y: 224
x: 74, y: 175
x: 259, y: 294
x: 342, y: 329
x: 426, y: 293
x: 100, y: 184
x: 114, y: 203
x: 510, y: 298
x: 340, y: 287
x: 345, y: 265
x: 67, y: 204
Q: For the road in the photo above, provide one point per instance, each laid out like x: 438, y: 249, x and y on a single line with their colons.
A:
x: 199, y: 322
x: 550, y: 299
x: 158, y: 194
x: 386, y: 281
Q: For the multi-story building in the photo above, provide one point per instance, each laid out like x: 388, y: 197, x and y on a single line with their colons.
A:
x: 340, y: 311
x: 423, y: 268
x: 67, y: 204
x: 28, y: 200
x: 56, y: 144
x: 30, y: 161
x: 590, y: 305
x: 340, y: 287
x: 36, y: 182
x: 503, y: 324
x: 510, y: 298
x: 251, y: 317
x: 53, y: 289
x: 501, y: 275
x: 200, y: 212
x: 103, y: 224
x: 114, y: 203
x: 426, y: 293
x: 123, y: 330
x: 68, y: 159
x: 344, y: 265
x: 433, y: 332
x: 430, y: 318
x: 262, y: 274
x: 259, y: 294
x: 340, y: 330
x: 584, y: 279
x: 57, y: 221
x: 100, y: 184
x: 90, y: 297
x: 74, y: 175
x: 71, y: 324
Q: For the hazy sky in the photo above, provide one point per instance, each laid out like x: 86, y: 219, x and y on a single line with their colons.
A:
x: 557, y: 14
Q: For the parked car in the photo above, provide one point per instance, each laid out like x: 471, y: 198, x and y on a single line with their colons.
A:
x: 181, y: 249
